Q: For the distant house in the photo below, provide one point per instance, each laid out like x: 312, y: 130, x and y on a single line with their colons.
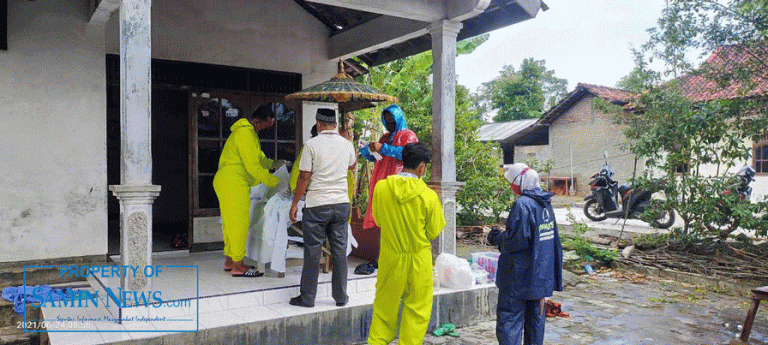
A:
x: 699, y: 88
x: 579, y: 134
x: 573, y: 134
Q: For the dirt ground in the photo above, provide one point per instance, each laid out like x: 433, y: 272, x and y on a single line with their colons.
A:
x: 474, y: 242
x: 616, y: 307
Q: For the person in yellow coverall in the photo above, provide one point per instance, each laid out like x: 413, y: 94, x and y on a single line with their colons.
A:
x: 241, y: 166
x: 410, y: 215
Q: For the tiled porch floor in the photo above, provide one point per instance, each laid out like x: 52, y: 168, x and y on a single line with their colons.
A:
x: 223, y: 301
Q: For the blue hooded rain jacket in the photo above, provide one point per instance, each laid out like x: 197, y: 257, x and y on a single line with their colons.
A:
x: 531, y: 261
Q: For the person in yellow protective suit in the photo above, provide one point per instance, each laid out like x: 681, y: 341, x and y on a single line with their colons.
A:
x: 410, y: 216
x: 241, y: 166
x: 295, y: 167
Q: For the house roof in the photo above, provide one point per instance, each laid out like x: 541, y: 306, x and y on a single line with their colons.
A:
x: 498, y: 14
x: 503, y: 130
x: 536, y: 131
x: 613, y: 95
x: 698, y: 87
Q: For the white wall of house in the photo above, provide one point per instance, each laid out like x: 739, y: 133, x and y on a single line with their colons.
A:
x: 583, y: 134
x: 53, y: 186
x: 274, y: 35
x: 310, y: 108
x: 53, y: 189
x: 759, y: 186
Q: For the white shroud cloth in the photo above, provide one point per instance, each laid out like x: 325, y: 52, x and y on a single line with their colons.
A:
x: 268, y: 230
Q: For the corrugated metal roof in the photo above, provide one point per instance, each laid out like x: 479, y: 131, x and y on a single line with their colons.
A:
x: 502, y: 130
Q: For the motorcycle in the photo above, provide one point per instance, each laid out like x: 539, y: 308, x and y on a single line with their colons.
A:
x: 609, y: 200
x: 745, y: 177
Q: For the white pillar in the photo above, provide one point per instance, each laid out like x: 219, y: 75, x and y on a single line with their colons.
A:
x: 135, y: 192
x: 444, y: 34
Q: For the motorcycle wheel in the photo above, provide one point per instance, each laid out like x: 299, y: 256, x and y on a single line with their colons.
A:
x: 666, y: 218
x: 594, y: 211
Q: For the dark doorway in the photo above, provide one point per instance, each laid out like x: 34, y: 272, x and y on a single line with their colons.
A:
x: 170, y: 211
x: 175, y: 86
x: 170, y: 168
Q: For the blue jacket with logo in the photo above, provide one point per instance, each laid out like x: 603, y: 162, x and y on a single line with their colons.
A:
x: 531, y: 261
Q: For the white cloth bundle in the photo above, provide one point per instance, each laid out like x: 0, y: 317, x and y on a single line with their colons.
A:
x: 268, y: 231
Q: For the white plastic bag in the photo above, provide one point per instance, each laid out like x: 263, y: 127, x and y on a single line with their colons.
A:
x: 454, y: 272
x: 362, y: 143
x: 480, y: 274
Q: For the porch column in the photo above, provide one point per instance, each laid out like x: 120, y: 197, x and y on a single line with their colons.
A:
x: 135, y: 192
x: 444, y: 34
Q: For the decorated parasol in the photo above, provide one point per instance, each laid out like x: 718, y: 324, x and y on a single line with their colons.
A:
x: 342, y: 89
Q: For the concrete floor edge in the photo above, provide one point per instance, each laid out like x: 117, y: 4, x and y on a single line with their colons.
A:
x: 347, y: 325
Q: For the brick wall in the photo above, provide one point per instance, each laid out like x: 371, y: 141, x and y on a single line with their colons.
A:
x: 587, y: 133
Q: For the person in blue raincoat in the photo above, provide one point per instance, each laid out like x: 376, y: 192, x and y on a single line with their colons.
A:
x: 531, y: 262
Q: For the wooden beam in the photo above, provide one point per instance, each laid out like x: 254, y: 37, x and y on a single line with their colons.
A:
x: 103, y: 11
x: 378, y: 33
x: 532, y: 7
x: 460, y: 10
x: 421, y: 10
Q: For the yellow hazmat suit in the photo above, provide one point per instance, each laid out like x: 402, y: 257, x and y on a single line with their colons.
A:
x: 241, y: 166
x: 410, y: 215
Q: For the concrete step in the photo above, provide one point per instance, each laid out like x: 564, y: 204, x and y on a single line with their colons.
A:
x: 12, y: 327
x: 9, y: 318
x: 14, y: 336
x: 14, y: 276
x: 338, y: 326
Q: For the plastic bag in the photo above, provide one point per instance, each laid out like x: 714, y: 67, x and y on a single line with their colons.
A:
x: 362, y: 143
x: 454, y: 272
x: 480, y: 274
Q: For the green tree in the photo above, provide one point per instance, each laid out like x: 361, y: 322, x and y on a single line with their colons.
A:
x: 673, y: 128
x: 476, y: 163
x: 641, y: 78
x: 523, y: 94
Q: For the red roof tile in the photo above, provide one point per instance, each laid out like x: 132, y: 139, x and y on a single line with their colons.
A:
x: 699, y: 87
x: 609, y: 93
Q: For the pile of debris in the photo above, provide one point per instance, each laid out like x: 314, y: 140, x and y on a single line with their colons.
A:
x: 718, y: 259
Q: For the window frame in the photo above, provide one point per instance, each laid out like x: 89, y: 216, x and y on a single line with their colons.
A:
x: 764, y: 162
x: 252, y: 101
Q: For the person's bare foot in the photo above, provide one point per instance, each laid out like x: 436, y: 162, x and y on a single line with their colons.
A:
x: 239, y: 269
x: 228, y: 263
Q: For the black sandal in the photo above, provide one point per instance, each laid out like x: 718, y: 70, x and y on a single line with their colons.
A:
x: 250, y: 273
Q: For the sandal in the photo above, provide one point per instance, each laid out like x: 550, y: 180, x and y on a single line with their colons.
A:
x: 446, y: 329
x: 250, y: 273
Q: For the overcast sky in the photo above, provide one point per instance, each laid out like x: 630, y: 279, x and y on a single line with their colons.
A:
x: 582, y: 41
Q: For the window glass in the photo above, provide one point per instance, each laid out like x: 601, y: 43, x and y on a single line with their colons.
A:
x: 208, y: 118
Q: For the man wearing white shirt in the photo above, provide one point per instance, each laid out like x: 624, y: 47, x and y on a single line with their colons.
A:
x: 323, y: 177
